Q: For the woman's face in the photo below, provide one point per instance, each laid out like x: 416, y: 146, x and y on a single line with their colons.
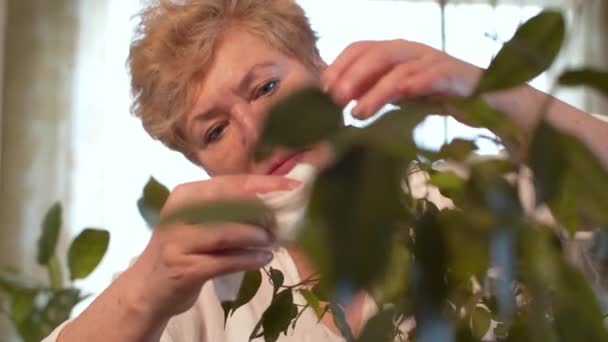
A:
x: 247, y: 76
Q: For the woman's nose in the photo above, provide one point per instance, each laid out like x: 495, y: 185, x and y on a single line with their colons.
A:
x: 250, y: 122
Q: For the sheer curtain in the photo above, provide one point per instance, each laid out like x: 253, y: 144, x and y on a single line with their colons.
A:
x: 112, y: 157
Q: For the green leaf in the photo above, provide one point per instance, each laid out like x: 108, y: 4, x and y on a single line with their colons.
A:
x: 313, y: 301
x: 379, y: 328
x: 548, y: 163
x: 300, y: 120
x: 596, y: 79
x: 249, y: 287
x: 11, y: 282
x: 22, y: 303
x: 58, y: 309
x: 481, y: 319
x: 223, y: 211
x: 340, y: 322
x: 458, y: 149
x: 447, y: 182
x: 477, y: 112
x: 277, y: 318
x: 51, y: 227
x: 277, y: 279
x: 86, y: 252
x: 394, y: 284
x: 359, y: 197
x: 531, y: 51
x: 393, y: 132
x: 152, y: 201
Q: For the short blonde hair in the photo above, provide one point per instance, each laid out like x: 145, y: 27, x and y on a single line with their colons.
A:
x: 175, y: 40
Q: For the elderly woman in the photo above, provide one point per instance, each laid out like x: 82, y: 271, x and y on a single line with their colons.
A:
x: 204, y: 73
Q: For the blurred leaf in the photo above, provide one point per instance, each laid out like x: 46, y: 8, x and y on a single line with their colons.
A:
x: 249, y: 287
x: 429, y: 288
x: 22, y: 303
x: 86, y: 251
x: 578, y: 178
x: 51, y: 227
x: 320, y: 290
x: 394, y: 284
x: 458, y: 149
x: 548, y: 163
x: 300, y: 120
x: 531, y: 51
x: 358, y: 197
x: 379, y: 328
x: 477, y: 112
x: 447, y: 182
x: 277, y: 279
x: 223, y: 211
x: 313, y: 302
x: 278, y: 316
x: 481, y: 319
x: 11, y: 281
x: 597, y: 79
x: 564, y: 207
x: 58, y: 309
x: 152, y: 201
x: 340, y: 322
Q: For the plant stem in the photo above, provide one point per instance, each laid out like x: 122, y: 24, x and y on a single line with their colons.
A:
x: 55, y: 275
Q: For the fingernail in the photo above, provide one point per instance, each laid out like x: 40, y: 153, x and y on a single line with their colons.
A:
x: 265, y: 256
x: 357, y: 111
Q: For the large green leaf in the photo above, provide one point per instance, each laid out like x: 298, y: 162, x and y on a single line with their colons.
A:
x: 86, y: 252
x: 354, y: 207
x: 300, y: 120
x: 223, y: 211
x: 51, y: 227
x: 531, y: 51
x: 477, y: 112
x: 574, y: 181
x: 548, y: 163
x: 597, y: 79
x: 152, y: 201
x: 394, y: 284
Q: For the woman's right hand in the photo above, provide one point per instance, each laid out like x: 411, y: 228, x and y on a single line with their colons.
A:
x: 181, y: 257
x: 167, y: 277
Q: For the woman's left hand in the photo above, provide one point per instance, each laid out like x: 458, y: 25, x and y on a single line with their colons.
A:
x: 375, y: 73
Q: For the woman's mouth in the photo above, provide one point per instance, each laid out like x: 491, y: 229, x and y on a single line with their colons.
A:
x: 286, y: 164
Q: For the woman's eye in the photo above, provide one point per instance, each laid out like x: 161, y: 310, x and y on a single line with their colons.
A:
x: 266, y: 88
x: 215, y: 133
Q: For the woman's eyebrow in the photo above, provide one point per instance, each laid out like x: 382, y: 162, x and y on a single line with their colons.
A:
x: 242, y: 87
x: 245, y: 82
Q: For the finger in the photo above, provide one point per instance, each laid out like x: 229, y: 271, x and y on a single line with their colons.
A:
x: 222, y: 237
x: 213, y: 265
x: 234, y: 187
x: 361, y: 75
x: 346, y: 58
x: 431, y: 81
x: 388, y: 88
